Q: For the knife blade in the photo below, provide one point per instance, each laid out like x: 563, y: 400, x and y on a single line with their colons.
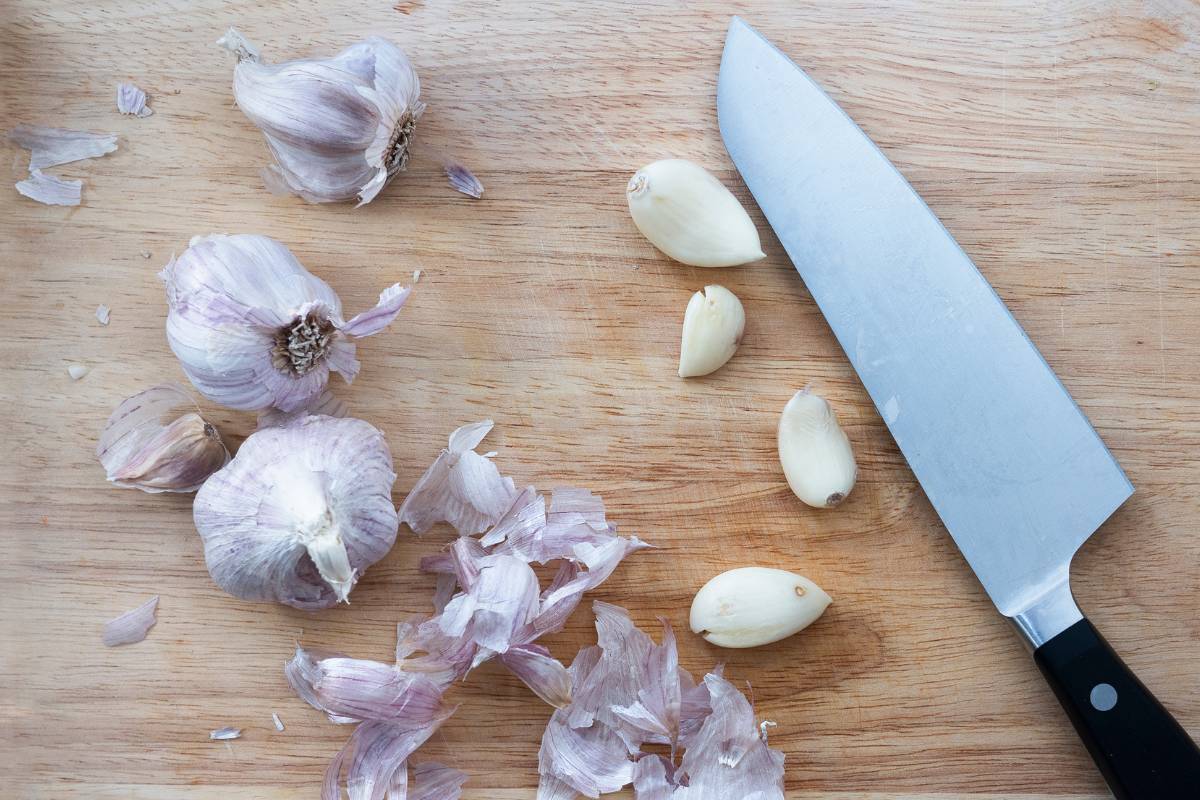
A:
x: 1012, y: 466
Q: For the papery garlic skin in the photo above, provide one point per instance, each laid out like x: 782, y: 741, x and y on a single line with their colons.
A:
x: 688, y: 214
x: 817, y: 459
x: 339, y: 128
x: 253, y: 329
x: 753, y: 606
x: 712, y: 330
x: 300, y: 512
x: 157, y: 441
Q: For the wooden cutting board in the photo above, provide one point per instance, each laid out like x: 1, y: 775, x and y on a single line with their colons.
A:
x: 1057, y: 141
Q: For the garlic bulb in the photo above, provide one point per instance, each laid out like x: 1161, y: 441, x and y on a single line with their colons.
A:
x: 254, y: 329
x: 156, y: 441
x: 753, y: 606
x: 712, y: 330
x: 339, y: 128
x: 814, y: 451
x: 300, y: 512
x: 688, y: 214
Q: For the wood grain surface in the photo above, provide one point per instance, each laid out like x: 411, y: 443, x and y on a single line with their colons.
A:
x: 1058, y: 142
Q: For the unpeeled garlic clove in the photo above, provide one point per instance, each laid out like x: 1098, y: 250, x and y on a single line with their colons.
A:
x: 814, y: 451
x: 753, y: 606
x: 688, y: 214
x: 712, y: 330
x: 155, y: 441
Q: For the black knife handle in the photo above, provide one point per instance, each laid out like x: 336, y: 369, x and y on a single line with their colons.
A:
x: 1142, y: 751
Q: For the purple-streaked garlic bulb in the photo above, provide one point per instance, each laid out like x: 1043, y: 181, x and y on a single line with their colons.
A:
x: 157, y: 441
x: 253, y: 329
x: 339, y: 128
x: 300, y: 512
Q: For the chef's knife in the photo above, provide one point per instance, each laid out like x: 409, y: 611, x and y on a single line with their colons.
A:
x: 1012, y: 466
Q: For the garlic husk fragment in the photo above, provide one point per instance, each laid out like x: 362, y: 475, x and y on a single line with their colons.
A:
x: 253, y: 329
x: 49, y: 147
x: 49, y: 190
x: 815, y: 453
x: 157, y: 441
x: 688, y: 214
x: 132, y: 101
x: 712, y: 330
x: 299, y: 513
x: 132, y: 626
x: 339, y: 128
x: 463, y: 180
x: 753, y: 606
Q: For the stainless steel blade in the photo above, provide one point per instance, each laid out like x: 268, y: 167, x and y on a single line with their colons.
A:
x: 1011, y: 464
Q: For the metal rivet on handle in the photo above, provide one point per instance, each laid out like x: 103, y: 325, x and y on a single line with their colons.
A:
x: 1103, y: 697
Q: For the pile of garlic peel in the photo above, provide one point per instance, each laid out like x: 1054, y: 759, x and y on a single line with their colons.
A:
x: 631, y: 695
x: 489, y: 604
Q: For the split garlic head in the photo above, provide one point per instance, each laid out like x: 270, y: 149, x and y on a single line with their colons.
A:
x: 815, y: 452
x: 157, y: 441
x: 253, y: 329
x: 688, y: 214
x: 712, y: 330
x: 339, y: 128
x: 300, y: 512
x: 753, y: 606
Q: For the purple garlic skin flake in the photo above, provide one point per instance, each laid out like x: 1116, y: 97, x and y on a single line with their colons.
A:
x: 299, y: 513
x: 463, y: 180
x: 254, y: 330
x: 132, y: 626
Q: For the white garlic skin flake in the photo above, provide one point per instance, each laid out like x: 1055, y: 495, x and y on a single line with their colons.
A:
x: 817, y: 459
x: 753, y: 606
x: 712, y: 330
x: 688, y: 214
x: 300, y: 512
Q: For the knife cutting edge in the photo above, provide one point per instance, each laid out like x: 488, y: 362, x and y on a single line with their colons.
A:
x: 1014, y: 469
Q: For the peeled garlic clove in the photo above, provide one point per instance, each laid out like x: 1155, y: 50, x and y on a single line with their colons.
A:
x: 753, y: 606
x: 712, y: 330
x: 814, y: 451
x: 157, y: 442
x: 300, y: 512
x: 338, y: 127
x: 688, y: 214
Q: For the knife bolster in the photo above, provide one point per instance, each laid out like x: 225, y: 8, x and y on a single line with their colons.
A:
x: 1048, y: 616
